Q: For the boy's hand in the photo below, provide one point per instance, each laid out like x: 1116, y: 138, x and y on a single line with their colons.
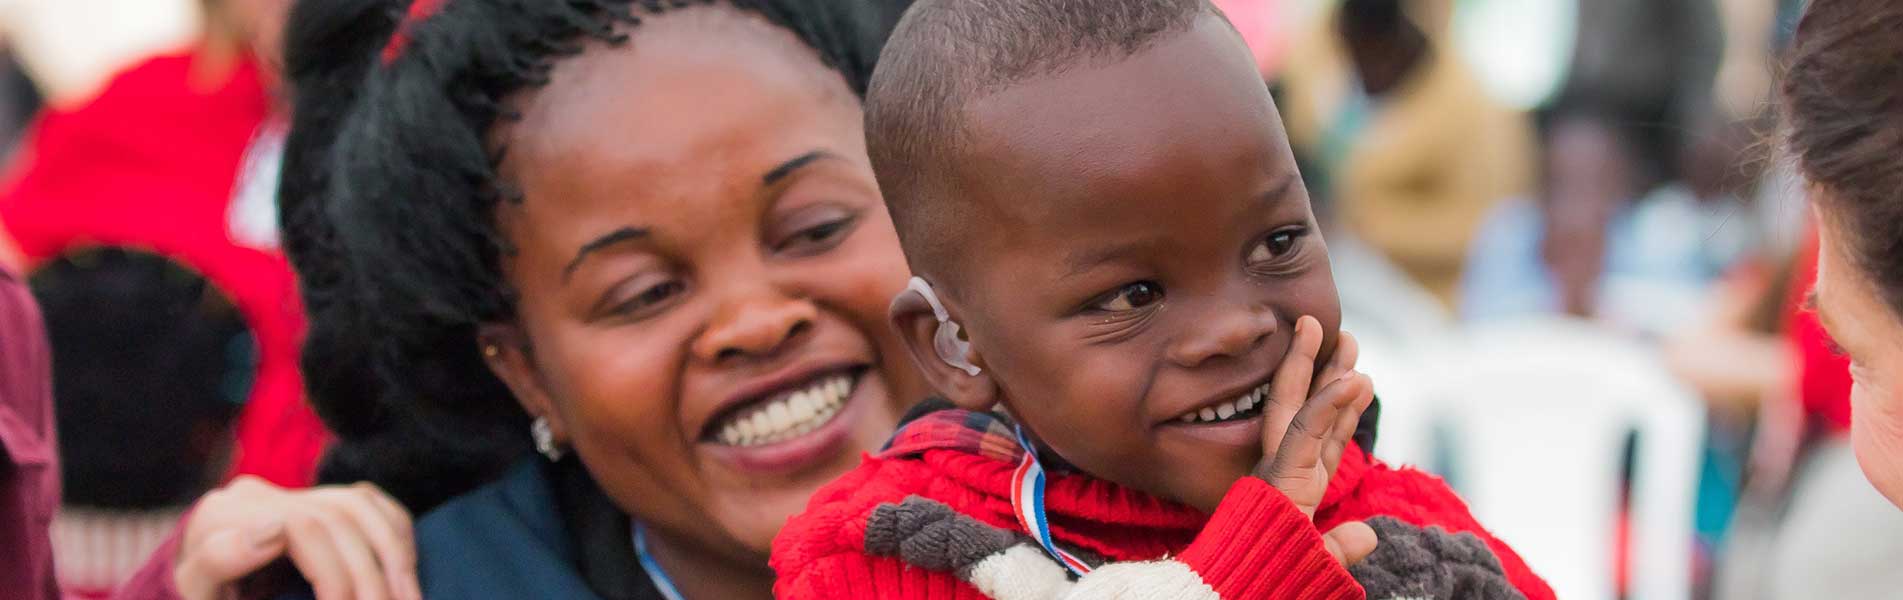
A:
x: 1307, y: 425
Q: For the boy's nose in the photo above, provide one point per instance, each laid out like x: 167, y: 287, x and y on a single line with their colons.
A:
x: 1234, y: 333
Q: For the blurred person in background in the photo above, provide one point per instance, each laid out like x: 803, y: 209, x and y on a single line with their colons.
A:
x: 150, y: 364
x: 179, y: 154
x: 29, y: 459
x: 1652, y: 61
x: 1407, y: 145
x: 1594, y: 244
x: 1547, y: 255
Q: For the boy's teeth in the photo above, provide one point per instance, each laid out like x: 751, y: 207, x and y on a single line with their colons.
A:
x: 1226, y: 410
x: 790, y: 415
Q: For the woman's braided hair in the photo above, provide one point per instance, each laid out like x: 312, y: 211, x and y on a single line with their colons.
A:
x: 389, y: 201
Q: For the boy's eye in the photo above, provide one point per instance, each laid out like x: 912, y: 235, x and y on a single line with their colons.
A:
x: 1274, y: 247
x: 1130, y: 297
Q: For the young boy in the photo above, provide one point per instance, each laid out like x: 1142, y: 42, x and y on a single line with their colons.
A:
x: 1115, y: 248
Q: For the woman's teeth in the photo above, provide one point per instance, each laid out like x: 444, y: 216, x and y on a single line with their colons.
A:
x: 788, y: 416
x: 1240, y: 407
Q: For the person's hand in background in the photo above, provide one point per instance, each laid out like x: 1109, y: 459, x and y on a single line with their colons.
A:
x: 348, y: 541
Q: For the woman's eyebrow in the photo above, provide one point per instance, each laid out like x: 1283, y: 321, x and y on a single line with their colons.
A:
x: 626, y: 233
x: 787, y: 168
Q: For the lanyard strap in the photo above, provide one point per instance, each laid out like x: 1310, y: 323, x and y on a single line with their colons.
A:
x: 1027, y: 500
x: 661, y: 582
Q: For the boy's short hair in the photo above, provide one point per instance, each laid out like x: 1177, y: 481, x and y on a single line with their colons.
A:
x: 945, y: 54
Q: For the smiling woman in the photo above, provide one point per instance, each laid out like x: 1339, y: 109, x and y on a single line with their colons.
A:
x: 641, y: 237
x: 1844, y: 104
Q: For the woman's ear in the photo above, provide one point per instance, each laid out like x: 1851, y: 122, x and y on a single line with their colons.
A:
x: 506, y: 350
x: 918, y: 326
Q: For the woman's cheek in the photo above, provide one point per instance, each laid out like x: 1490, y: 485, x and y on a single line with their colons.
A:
x: 1877, y: 436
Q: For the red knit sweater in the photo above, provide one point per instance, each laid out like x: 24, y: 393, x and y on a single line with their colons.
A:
x: 1257, y: 545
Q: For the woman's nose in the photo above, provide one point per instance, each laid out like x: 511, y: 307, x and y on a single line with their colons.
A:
x: 758, y: 326
x: 1233, y: 333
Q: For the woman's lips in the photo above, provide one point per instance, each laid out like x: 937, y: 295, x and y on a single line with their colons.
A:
x: 792, y: 430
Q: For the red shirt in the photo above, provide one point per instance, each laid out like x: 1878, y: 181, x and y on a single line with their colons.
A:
x: 153, y: 163
x: 29, y: 475
x: 1256, y: 545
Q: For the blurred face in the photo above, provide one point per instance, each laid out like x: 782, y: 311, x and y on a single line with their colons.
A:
x: 1587, y: 181
x: 1852, y: 310
x: 1172, y: 249
x: 704, y: 264
x: 260, y: 22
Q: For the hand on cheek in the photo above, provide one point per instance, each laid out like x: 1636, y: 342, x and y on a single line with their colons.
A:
x: 1309, y: 424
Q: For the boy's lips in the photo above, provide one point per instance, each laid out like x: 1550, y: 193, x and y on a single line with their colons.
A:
x: 1236, y: 433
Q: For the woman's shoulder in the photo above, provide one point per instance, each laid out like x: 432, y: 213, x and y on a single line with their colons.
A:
x: 504, y: 539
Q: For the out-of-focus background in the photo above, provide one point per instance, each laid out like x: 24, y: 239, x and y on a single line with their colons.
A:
x: 1561, y: 229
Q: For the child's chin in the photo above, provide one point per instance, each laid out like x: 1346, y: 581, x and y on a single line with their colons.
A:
x: 1202, y: 476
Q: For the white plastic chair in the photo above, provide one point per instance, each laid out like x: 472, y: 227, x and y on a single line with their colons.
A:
x: 1397, y: 322
x: 1535, y: 417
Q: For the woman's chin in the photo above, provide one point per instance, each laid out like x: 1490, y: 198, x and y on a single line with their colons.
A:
x: 768, y: 483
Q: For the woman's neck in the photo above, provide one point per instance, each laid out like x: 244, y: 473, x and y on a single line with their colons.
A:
x: 701, y: 574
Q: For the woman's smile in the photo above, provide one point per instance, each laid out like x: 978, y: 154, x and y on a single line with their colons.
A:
x: 789, y: 421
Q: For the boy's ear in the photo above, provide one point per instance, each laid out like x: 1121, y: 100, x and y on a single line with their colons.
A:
x: 506, y: 350
x: 918, y: 326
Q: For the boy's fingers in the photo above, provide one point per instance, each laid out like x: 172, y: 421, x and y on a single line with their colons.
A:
x: 1288, y: 392
x: 1350, y: 543
x: 1310, y: 430
x: 1343, y: 432
x: 1347, y: 354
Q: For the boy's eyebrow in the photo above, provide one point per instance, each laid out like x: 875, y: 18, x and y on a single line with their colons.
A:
x: 1280, y: 189
x: 1079, y: 262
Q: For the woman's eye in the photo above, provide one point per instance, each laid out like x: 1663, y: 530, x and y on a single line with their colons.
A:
x: 650, y: 297
x: 1276, y: 246
x: 817, y: 236
x: 1131, y: 297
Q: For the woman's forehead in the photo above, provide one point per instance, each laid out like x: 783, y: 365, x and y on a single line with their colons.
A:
x: 707, y: 84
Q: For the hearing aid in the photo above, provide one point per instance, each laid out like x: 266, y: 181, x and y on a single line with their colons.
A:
x: 951, y: 348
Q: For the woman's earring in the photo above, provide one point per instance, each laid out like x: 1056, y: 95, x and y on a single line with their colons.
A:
x: 544, y: 439
x: 490, y: 351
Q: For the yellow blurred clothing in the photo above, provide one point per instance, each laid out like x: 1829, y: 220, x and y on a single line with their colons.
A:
x: 1414, y: 172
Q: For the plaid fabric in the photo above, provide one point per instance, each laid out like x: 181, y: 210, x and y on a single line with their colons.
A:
x: 981, y: 433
